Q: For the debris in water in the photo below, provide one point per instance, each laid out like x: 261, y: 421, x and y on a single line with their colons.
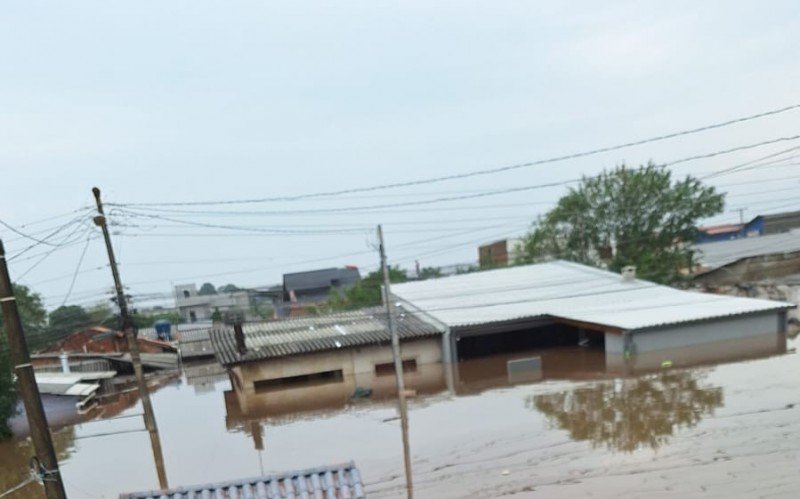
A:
x: 666, y: 364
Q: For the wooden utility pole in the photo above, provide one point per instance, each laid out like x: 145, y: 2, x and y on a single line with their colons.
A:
x: 127, y: 328
x: 398, y: 365
x: 28, y: 390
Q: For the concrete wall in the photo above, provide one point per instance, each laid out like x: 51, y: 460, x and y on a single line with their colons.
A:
x: 768, y: 324
x: 352, y: 362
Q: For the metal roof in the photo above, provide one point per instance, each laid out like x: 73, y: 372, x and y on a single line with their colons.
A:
x: 569, y: 291
x: 330, y: 482
x: 314, y: 334
x: 715, y: 255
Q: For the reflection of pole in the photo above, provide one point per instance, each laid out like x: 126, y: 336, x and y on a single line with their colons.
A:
x: 398, y: 365
x: 127, y: 328
x: 28, y: 390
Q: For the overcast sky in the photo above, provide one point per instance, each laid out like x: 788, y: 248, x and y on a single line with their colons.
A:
x: 195, y: 101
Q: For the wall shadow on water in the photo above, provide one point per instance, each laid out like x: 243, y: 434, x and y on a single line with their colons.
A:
x: 625, y: 415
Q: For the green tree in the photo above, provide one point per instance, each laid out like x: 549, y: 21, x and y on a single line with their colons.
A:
x: 65, y: 320
x: 430, y: 273
x: 216, y: 316
x: 207, y: 289
x: 625, y: 217
x: 228, y: 288
x: 33, y: 317
x: 366, y: 292
x: 102, y: 314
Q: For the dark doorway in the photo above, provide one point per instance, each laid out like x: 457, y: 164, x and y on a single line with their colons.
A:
x: 523, y: 339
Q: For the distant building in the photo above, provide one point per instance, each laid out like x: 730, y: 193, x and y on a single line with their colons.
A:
x: 763, y: 267
x: 194, y: 307
x: 776, y: 223
x: 761, y: 225
x: 315, y: 285
x: 499, y: 253
x: 714, y: 233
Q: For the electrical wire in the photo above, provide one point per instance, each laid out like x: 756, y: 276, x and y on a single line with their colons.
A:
x: 77, y: 270
x: 486, y: 171
x: 366, y: 208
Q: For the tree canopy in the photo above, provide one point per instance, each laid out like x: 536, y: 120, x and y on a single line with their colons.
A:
x: 366, y: 292
x: 33, y: 317
x: 626, y: 216
x: 65, y: 320
x: 207, y: 289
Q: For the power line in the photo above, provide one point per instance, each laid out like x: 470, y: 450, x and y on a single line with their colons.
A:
x: 510, y: 190
x: 480, y: 172
x: 77, y: 270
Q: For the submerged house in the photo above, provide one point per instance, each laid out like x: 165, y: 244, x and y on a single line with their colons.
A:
x: 295, y: 360
x: 631, y: 319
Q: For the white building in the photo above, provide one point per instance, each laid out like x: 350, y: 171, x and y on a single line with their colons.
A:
x: 194, y: 307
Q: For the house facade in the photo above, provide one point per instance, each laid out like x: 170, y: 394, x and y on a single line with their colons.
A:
x: 194, y: 307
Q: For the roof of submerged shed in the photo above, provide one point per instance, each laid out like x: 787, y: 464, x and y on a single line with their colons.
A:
x: 569, y: 291
x: 339, y: 481
x: 315, y: 334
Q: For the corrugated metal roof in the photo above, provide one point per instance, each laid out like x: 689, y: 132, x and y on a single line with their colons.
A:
x: 566, y: 290
x: 314, y: 334
x: 330, y: 482
x: 719, y: 254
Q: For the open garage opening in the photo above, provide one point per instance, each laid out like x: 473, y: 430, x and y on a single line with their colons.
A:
x: 565, y: 350
x: 519, y: 338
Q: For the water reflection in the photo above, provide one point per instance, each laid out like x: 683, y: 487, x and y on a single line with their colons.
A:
x: 15, y: 456
x: 628, y: 414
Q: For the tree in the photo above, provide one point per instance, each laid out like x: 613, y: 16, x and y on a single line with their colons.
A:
x: 33, y: 317
x: 229, y: 288
x: 101, y: 314
x: 65, y: 320
x: 207, y: 289
x: 626, y: 216
x: 366, y: 292
x: 216, y: 316
x: 430, y: 273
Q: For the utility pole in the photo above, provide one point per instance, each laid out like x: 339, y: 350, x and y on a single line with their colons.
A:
x: 28, y: 390
x: 398, y: 365
x: 127, y: 328
x: 741, y: 215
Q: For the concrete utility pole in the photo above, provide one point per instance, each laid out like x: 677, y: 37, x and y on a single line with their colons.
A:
x: 28, y: 390
x: 127, y: 328
x: 398, y: 365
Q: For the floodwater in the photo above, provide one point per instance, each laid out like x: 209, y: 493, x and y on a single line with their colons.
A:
x: 726, y: 429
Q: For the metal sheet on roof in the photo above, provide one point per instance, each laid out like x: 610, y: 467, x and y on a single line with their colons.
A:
x: 331, y: 482
x: 566, y: 290
x: 719, y: 254
x: 315, y: 334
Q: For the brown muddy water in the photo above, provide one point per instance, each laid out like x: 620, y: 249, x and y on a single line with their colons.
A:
x: 730, y: 429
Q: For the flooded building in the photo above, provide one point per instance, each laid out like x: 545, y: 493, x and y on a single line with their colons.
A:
x: 557, y: 303
x: 326, y: 358
x: 336, y: 481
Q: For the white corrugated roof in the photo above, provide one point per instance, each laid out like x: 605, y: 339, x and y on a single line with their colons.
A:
x: 719, y: 254
x: 567, y: 290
